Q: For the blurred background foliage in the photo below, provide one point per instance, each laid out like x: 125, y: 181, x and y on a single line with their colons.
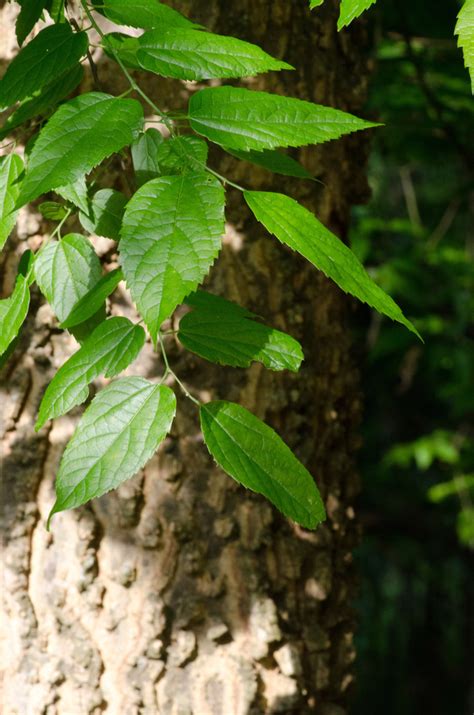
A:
x: 416, y: 600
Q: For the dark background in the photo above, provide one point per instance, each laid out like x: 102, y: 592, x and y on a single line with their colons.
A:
x: 415, y: 606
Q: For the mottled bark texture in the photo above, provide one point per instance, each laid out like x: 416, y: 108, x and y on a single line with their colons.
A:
x: 181, y: 593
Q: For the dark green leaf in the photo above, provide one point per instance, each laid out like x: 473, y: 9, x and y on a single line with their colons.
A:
x: 119, y: 432
x: 91, y: 302
x: 105, y: 214
x: 255, y: 456
x: 243, y: 119
x: 65, y: 271
x: 113, y: 345
x: 171, y: 235
x: 11, y: 167
x: 296, y: 227
x: 44, y: 100
x: 227, y: 334
x: 81, y: 134
x: 53, y: 51
x: 274, y: 161
x: 30, y: 13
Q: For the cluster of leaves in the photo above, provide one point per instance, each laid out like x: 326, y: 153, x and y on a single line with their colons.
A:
x: 464, y: 29
x: 168, y: 232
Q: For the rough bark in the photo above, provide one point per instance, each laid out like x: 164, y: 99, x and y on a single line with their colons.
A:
x: 182, y: 594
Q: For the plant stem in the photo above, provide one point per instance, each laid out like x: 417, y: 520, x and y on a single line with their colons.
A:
x: 169, y: 371
x: 127, y: 74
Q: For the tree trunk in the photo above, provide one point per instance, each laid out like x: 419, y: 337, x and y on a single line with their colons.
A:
x: 181, y: 593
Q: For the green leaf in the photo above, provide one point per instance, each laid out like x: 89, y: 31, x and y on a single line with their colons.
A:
x: 299, y: 229
x: 255, y: 456
x: 79, y: 135
x: 83, y: 331
x: 315, y: 3
x: 350, y: 9
x: 113, y: 345
x: 171, y: 235
x: 227, y: 334
x: 92, y: 301
x: 153, y: 157
x: 117, y: 44
x: 30, y: 13
x: 146, y: 14
x: 52, y: 210
x: 11, y: 167
x: 44, y: 100
x: 65, y: 271
x: 195, y: 55
x: 182, y: 155
x: 105, y: 214
x: 465, y: 31
x: 13, y: 311
x: 274, y: 161
x: 145, y: 156
x: 76, y: 194
x: 243, y: 119
x: 53, y: 51
x: 119, y: 432
x: 56, y: 10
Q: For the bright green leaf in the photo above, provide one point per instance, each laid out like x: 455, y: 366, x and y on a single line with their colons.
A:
x: 465, y: 31
x: 81, y: 134
x: 171, y: 235
x: 44, y: 100
x: 274, y: 161
x: 92, y: 301
x: 146, y: 14
x: 105, y: 214
x: 255, y: 456
x: 145, y: 156
x: 119, y: 432
x: 315, y: 3
x: 113, y: 345
x: 243, y: 119
x: 53, y: 51
x: 13, y: 311
x: 195, y: 55
x: 11, y: 167
x: 350, y: 9
x: 227, y: 334
x: 299, y: 229
x: 65, y: 271
x: 76, y: 194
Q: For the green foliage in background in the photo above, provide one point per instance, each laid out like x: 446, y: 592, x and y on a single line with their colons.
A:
x: 417, y: 559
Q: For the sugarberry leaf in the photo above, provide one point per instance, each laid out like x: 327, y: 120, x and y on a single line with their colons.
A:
x: 117, y: 435
x: 255, y: 456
